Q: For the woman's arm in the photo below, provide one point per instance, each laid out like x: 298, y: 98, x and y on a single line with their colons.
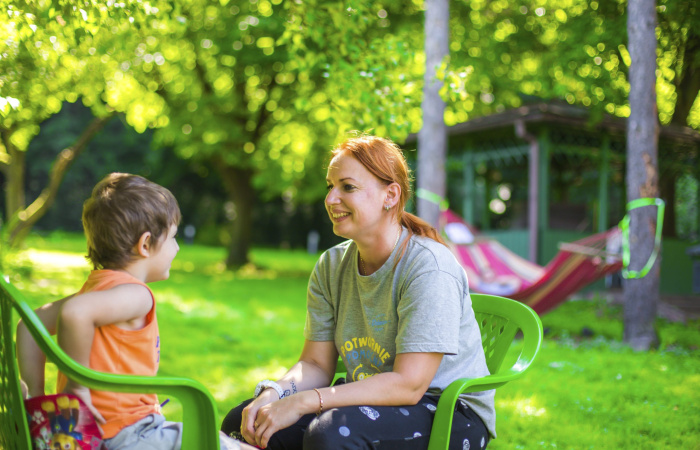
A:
x: 30, y: 358
x: 315, y: 369
x: 405, y: 385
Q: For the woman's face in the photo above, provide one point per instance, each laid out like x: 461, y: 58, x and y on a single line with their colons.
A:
x: 355, y: 198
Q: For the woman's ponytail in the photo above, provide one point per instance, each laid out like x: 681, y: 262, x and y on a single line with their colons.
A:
x: 420, y: 227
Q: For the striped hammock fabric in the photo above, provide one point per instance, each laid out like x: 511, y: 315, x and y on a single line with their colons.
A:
x: 493, y: 269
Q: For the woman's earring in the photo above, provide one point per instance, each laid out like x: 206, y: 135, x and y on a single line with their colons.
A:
x: 386, y: 207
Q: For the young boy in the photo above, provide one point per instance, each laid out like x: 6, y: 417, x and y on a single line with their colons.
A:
x: 110, y: 325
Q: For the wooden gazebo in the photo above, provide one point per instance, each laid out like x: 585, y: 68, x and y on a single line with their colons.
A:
x: 549, y: 153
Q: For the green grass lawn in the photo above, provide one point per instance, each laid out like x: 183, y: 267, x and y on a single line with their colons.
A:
x: 230, y: 330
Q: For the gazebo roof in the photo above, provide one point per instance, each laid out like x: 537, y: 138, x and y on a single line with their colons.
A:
x: 560, y: 113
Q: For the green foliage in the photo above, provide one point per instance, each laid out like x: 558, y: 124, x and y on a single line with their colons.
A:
x: 240, y: 327
x: 372, y: 70
x: 35, y: 72
x: 548, y: 49
x: 268, y: 86
x: 48, y: 57
x: 229, y: 89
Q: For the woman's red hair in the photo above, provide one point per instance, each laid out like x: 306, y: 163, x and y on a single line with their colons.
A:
x: 384, y: 159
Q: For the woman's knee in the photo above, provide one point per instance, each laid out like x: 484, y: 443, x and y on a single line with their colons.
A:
x: 331, y: 429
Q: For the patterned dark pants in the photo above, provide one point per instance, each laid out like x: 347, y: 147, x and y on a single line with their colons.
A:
x: 370, y: 427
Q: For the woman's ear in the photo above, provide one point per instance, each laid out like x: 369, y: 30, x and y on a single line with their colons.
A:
x: 143, y: 246
x: 393, y: 194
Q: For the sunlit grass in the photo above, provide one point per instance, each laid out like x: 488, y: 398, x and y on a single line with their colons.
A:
x: 522, y: 406
x: 231, y: 329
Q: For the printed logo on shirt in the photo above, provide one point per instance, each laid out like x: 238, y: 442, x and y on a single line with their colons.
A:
x: 158, y: 349
x: 366, y: 355
x: 378, y: 323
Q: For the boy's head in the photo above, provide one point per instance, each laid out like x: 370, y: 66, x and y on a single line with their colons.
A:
x: 120, y: 210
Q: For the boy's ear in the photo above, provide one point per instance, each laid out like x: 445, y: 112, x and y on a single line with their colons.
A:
x: 143, y: 247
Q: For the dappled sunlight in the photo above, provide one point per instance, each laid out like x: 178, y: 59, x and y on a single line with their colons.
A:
x: 217, y: 270
x: 198, y: 307
x: 522, y: 406
x: 187, y: 266
x: 687, y: 388
x: 267, y: 315
x: 44, y: 275
x: 53, y: 260
x: 251, y: 271
x: 231, y: 384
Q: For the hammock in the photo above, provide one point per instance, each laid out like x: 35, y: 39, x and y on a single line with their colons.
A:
x: 493, y: 269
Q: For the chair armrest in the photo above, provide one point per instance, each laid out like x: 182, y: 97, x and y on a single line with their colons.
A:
x: 442, y: 424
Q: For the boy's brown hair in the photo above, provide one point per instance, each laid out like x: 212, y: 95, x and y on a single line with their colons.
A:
x: 121, y: 208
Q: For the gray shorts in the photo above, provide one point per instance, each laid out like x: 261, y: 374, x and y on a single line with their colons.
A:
x: 153, y: 432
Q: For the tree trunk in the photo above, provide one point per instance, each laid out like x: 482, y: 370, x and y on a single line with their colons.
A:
x: 641, y: 295
x: 238, y: 183
x: 21, y: 219
x: 14, y: 180
x: 432, y: 138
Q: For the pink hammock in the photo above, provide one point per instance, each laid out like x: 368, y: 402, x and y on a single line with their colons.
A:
x: 493, y: 269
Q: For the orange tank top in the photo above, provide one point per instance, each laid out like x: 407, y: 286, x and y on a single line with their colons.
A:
x: 115, y: 350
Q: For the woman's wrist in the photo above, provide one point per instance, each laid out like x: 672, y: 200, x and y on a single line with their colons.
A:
x: 267, y: 385
x: 312, y: 401
x: 320, y: 402
x: 290, y: 389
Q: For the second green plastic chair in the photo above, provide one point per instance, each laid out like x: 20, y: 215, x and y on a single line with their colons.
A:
x: 499, y: 319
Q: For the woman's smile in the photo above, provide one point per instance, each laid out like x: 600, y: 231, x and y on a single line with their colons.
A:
x: 339, y: 216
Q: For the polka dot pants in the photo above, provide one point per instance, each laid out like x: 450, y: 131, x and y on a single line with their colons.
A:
x: 371, y: 427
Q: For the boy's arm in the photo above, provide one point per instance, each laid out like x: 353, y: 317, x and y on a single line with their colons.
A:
x: 30, y: 358
x: 83, y: 313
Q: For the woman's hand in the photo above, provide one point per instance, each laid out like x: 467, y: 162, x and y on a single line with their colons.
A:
x: 281, y: 414
x: 267, y: 414
x: 250, y: 414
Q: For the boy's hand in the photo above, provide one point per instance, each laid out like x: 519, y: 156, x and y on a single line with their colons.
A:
x: 83, y: 394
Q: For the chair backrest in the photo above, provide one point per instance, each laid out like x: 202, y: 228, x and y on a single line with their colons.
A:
x: 14, y: 428
x: 198, y: 408
x: 500, y: 319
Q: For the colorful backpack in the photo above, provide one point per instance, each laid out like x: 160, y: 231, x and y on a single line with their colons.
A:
x: 62, y: 421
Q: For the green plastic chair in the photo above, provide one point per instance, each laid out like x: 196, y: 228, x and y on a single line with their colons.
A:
x: 200, y: 429
x: 499, y: 319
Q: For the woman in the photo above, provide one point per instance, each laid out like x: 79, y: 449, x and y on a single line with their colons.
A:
x: 393, y: 303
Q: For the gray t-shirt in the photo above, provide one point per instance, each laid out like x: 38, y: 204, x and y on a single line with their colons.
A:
x: 422, y: 305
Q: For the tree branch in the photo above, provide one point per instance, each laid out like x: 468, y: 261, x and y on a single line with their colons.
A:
x: 26, y: 218
x: 264, y: 114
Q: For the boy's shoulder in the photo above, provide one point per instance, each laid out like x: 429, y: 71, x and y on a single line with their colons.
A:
x: 113, y: 297
x: 105, y: 279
